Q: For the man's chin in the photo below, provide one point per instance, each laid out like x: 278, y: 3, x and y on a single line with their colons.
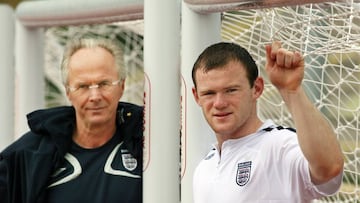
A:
x: 96, y: 120
x: 222, y: 130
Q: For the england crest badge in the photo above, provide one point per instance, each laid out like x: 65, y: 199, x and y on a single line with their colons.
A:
x: 243, y: 173
x: 129, y: 162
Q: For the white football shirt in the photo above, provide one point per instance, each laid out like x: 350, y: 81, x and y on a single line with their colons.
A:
x: 267, y: 166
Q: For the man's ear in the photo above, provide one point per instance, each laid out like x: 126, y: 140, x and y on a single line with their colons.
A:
x: 122, y: 86
x: 196, y: 96
x: 68, y: 95
x: 258, y: 87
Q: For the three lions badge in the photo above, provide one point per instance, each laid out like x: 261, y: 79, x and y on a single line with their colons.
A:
x: 243, y: 173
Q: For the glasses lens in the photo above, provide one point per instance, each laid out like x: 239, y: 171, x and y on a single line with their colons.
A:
x: 103, y: 86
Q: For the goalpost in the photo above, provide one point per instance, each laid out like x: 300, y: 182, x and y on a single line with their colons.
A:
x: 7, y: 75
x: 326, y: 32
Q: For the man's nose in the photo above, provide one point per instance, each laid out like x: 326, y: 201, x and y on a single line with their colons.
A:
x: 94, y: 92
x: 220, y: 101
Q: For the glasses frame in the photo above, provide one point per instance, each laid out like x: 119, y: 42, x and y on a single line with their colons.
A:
x: 98, y: 86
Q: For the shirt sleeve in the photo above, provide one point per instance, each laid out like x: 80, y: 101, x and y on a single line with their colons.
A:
x: 326, y: 189
x: 295, y: 165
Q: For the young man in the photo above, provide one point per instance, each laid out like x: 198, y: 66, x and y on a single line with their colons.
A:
x: 88, y: 152
x: 256, y: 161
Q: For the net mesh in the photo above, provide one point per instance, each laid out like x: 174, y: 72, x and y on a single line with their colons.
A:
x: 328, y: 34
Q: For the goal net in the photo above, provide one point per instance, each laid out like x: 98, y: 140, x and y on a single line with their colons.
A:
x: 328, y: 34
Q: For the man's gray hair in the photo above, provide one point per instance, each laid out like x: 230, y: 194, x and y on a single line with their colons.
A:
x: 92, y: 42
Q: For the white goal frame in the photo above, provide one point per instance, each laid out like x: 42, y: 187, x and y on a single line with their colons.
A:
x: 168, y: 59
x: 7, y: 75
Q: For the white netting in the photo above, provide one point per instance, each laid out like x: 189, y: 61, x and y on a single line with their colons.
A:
x: 328, y: 34
x: 130, y: 35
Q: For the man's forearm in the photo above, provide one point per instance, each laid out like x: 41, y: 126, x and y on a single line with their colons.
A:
x: 316, y: 137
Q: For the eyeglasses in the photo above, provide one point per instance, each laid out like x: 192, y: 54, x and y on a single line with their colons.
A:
x: 103, y: 86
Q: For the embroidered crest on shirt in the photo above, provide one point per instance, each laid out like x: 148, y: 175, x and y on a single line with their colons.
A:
x: 129, y: 161
x: 243, y: 173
